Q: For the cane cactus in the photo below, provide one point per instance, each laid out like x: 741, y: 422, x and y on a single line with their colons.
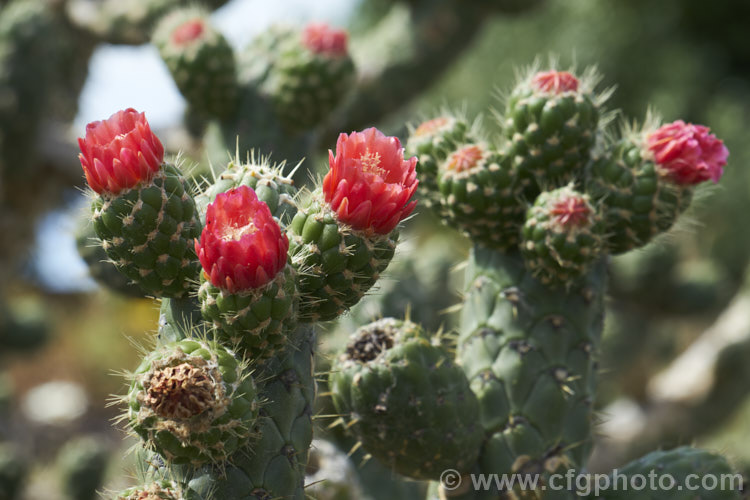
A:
x: 544, y: 206
x: 245, y: 268
x: 225, y: 398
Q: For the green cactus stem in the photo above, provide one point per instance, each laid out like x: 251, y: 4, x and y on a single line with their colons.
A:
x: 406, y: 400
x: 200, y: 60
x: 638, y: 201
x: 562, y: 236
x: 679, y: 463
x: 336, y: 265
x: 274, y: 465
x: 148, y: 232
x: 551, y: 123
x: 528, y: 352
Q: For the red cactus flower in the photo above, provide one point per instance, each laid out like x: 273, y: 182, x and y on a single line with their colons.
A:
x: 120, y: 152
x: 465, y: 158
x: 690, y: 153
x: 370, y: 183
x: 571, y: 211
x: 555, y: 82
x: 188, y: 31
x: 322, y: 39
x: 241, y: 247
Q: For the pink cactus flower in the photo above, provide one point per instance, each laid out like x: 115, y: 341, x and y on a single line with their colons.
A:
x: 120, y: 152
x: 322, y: 39
x: 188, y: 32
x: 572, y: 211
x: 370, y: 184
x: 689, y: 153
x: 555, y: 82
x: 465, y: 158
x: 241, y: 247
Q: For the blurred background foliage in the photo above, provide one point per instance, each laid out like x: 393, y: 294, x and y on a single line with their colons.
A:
x: 682, y: 58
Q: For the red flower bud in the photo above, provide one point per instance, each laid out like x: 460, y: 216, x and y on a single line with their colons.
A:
x: 322, y: 39
x: 690, y: 153
x: 555, y: 82
x: 120, y: 152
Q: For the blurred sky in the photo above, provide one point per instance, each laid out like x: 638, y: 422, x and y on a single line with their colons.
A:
x: 122, y: 77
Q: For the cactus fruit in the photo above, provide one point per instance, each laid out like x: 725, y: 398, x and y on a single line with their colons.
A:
x: 82, y: 463
x: 431, y: 142
x: 157, y: 490
x: 192, y: 402
x: 551, y: 124
x: 345, y: 237
x: 406, y: 400
x: 311, y: 73
x: 481, y: 195
x: 645, y: 182
x: 200, y: 60
x: 143, y: 213
x: 247, y: 288
x: 562, y: 236
x: 335, y: 264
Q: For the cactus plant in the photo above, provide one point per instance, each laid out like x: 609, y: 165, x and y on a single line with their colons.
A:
x: 225, y: 399
x: 533, y: 312
x: 518, y: 396
x: 544, y: 205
